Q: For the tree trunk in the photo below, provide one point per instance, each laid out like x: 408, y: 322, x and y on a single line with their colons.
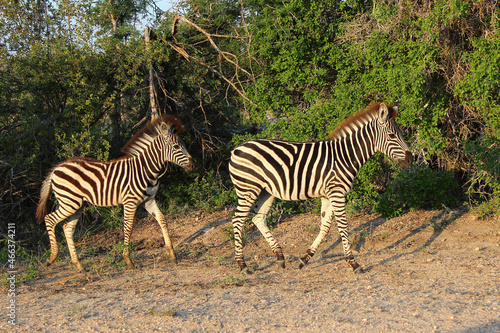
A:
x: 152, y: 100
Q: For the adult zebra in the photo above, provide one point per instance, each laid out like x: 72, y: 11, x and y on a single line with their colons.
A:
x: 129, y: 180
x: 264, y: 169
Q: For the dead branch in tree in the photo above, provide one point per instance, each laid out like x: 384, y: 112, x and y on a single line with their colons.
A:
x: 223, y: 56
x: 209, y: 36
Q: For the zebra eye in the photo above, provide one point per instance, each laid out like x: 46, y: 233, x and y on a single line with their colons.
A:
x: 392, y: 135
x: 177, y: 147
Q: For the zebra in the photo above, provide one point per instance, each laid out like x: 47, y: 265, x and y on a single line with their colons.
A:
x: 129, y: 181
x: 262, y: 170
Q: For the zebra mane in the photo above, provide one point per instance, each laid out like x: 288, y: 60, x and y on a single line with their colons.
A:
x: 142, y: 139
x: 360, y: 117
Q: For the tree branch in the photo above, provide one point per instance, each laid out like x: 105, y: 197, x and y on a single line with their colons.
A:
x: 227, y: 56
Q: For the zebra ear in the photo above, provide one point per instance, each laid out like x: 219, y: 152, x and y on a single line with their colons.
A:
x: 383, y: 113
x: 394, y: 113
x: 168, y: 129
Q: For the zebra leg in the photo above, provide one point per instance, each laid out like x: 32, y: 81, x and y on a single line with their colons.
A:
x: 129, y: 216
x: 51, y: 220
x: 50, y: 223
x: 240, y: 215
x: 326, y: 222
x: 152, y: 207
x: 69, y: 229
x: 340, y: 217
x: 263, y: 206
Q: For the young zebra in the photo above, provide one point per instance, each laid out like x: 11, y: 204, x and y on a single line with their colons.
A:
x: 264, y: 169
x: 129, y: 180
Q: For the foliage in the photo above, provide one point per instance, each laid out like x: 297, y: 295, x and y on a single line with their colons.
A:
x: 211, y: 192
x: 293, y: 43
x: 418, y: 187
x: 484, y: 183
x: 115, y: 255
x: 369, y: 182
x: 109, y: 218
x: 429, y: 56
x: 207, y: 192
x: 480, y: 89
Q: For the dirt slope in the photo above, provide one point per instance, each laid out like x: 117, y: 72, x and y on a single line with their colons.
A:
x: 428, y: 271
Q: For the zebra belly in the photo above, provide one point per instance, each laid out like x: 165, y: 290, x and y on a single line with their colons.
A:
x: 292, y: 197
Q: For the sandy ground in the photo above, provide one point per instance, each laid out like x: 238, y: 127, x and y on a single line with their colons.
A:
x: 428, y: 271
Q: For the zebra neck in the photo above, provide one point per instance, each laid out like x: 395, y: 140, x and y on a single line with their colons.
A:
x: 355, y: 149
x: 151, y: 160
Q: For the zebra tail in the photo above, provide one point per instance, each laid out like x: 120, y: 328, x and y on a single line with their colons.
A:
x: 41, y: 210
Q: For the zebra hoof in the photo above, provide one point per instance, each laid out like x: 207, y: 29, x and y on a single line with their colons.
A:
x: 51, y: 260
x: 301, y: 263
x: 172, y: 258
x: 168, y: 258
x: 281, y: 263
x: 359, y: 270
x: 246, y: 271
x: 79, y: 267
x: 242, y: 266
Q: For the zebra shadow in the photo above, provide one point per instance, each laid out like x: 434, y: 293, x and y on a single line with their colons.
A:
x: 439, y: 222
x: 204, y: 229
x: 362, y: 229
x: 187, y: 248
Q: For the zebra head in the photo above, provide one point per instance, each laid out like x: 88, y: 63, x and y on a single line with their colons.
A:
x: 390, y: 140
x: 175, y: 149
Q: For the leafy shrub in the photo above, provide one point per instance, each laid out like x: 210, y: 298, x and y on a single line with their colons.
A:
x: 211, y: 192
x: 418, y: 187
x: 369, y: 183
x: 484, y: 184
x: 109, y: 217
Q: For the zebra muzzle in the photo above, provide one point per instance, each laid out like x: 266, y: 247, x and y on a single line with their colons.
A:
x: 190, y: 165
x: 406, y: 162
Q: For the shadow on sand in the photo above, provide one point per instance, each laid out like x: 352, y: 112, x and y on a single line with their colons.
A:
x: 439, y: 222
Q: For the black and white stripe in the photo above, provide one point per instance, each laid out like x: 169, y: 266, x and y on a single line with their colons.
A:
x: 266, y: 169
x: 128, y: 181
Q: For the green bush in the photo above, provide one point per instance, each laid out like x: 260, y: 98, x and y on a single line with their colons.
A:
x: 418, y: 187
x: 484, y: 183
x: 369, y: 183
x: 211, y: 191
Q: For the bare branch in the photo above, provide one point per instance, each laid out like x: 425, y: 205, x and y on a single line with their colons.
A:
x: 234, y: 82
x: 211, y: 68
